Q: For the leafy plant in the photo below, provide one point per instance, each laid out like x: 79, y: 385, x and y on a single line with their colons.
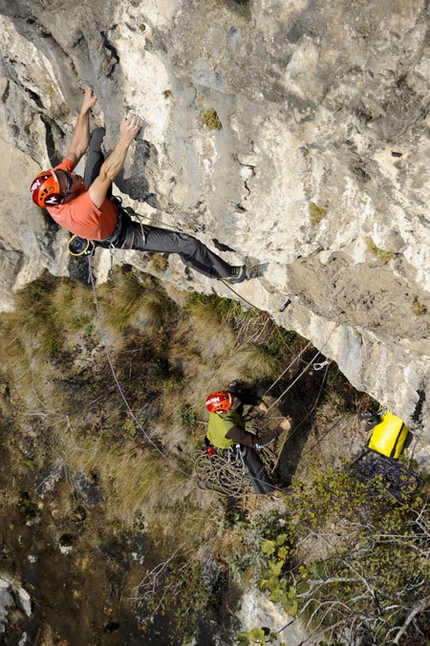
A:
x: 261, y: 636
x: 280, y: 550
x: 244, y: 555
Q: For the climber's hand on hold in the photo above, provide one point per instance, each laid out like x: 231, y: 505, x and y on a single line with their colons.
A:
x: 286, y: 423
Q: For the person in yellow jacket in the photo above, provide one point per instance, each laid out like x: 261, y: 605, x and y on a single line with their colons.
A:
x: 226, y: 428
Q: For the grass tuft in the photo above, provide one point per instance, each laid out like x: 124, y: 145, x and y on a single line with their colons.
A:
x: 120, y: 300
x: 418, y: 308
x: 212, y: 120
x: 316, y: 213
x: 159, y: 262
x: 250, y: 363
x: 381, y: 254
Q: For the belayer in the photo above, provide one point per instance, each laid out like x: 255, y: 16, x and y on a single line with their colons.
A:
x: 226, y: 428
x: 85, y: 206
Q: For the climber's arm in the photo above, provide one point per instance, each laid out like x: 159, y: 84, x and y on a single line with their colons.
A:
x: 110, y: 168
x: 81, y: 134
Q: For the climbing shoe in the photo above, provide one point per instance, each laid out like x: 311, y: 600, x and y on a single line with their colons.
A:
x: 237, y: 275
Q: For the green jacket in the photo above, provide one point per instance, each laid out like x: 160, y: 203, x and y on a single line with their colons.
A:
x: 219, y: 426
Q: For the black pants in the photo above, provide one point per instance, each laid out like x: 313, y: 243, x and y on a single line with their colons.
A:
x: 154, y: 239
x: 257, y: 472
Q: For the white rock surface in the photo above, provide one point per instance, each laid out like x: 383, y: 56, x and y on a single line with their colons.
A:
x: 6, y: 600
x: 12, y: 596
x: 257, y: 611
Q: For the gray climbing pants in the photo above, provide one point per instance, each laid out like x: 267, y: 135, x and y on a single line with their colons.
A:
x: 130, y: 234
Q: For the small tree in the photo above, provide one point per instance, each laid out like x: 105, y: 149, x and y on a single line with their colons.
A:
x: 371, y: 583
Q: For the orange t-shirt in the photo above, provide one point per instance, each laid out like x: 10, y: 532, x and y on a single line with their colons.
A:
x: 81, y: 216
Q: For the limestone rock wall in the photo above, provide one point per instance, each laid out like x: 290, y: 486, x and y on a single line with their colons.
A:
x: 320, y: 171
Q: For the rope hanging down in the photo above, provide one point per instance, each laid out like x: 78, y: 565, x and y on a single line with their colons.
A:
x: 120, y: 390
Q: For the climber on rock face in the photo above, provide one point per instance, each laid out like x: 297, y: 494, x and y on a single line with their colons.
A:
x: 85, y: 206
x: 226, y: 428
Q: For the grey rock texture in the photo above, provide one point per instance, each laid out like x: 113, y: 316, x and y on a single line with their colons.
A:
x: 320, y: 171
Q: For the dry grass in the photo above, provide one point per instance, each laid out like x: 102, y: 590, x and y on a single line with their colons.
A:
x: 249, y: 363
x: 134, y: 480
x: 256, y: 330
x: 381, y: 254
x: 153, y: 313
x: 67, y: 423
x: 145, y: 332
x: 70, y: 425
x: 185, y: 357
x: 213, y: 334
x: 139, y: 303
x: 24, y: 364
x: 188, y: 526
x: 120, y: 300
x: 73, y: 305
x: 316, y: 213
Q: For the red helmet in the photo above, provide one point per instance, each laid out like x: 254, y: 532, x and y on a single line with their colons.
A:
x: 219, y: 402
x: 45, y: 189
